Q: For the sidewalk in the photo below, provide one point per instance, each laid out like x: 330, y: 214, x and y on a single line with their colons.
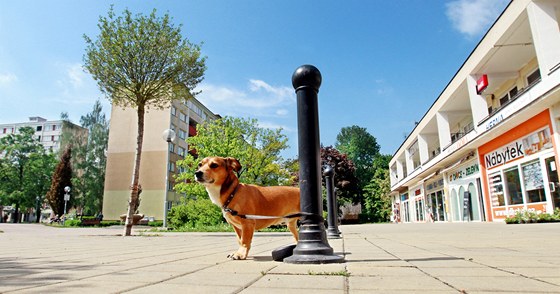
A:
x: 380, y: 258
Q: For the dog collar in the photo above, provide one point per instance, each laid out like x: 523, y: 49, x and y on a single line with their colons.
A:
x: 228, y: 201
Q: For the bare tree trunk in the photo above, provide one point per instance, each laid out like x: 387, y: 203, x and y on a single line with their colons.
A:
x: 136, y: 174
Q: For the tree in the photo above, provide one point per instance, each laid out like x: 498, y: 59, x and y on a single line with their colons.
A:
x: 61, y: 178
x: 361, y: 147
x: 377, y: 202
x: 23, y: 169
x: 141, y: 62
x: 89, y: 171
x: 345, y: 179
x: 257, y: 149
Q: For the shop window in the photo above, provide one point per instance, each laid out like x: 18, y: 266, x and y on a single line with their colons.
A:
x: 496, y: 189
x: 533, y: 181
x: 454, y: 205
x: 513, y: 186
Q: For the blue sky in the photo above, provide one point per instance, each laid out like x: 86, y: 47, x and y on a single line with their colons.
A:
x: 383, y: 62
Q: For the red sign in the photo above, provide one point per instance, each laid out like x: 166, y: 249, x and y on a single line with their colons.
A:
x: 481, y: 84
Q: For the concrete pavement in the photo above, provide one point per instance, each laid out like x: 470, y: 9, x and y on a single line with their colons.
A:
x: 380, y: 258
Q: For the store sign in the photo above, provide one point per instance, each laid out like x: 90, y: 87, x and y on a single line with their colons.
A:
x: 504, y: 155
x: 531, y: 144
x: 481, y: 84
x: 464, y: 172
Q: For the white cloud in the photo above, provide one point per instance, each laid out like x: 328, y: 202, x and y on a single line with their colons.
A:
x: 474, y: 17
x: 7, y: 78
x: 257, y: 99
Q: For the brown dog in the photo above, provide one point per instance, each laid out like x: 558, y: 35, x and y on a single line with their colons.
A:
x: 240, y: 202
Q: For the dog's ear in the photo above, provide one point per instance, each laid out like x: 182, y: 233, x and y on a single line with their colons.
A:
x: 233, y: 164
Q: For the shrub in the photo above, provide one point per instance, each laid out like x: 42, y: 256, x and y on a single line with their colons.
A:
x: 194, y: 213
x: 525, y: 216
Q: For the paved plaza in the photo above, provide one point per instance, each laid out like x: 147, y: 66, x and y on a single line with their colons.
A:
x: 379, y: 258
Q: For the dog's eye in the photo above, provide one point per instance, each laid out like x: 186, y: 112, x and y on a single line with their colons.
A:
x: 213, y: 165
x: 200, y: 164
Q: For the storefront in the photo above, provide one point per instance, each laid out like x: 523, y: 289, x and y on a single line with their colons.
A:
x: 435, y: 200
x: 465, y: 201
x: 520, y: 171
x: 417, y: 204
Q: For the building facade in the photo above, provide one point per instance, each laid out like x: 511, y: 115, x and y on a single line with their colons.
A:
x: 157, y: 165
x: 47, y: 132
x: 488, y: 145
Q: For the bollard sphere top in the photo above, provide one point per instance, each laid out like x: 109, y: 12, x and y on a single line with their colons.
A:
x: 329, y: 171
x: 307, y: 76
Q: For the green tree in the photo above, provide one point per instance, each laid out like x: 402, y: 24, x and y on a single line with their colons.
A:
x: 361, y: 147
x: 89, y: 171
x: 377, y: 200
x: 23, y: 169
x: 257, y: 149
x: 61, y: 178
x: 140, y: 62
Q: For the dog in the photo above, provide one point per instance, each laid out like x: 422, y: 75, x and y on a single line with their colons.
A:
x: 239, y: 202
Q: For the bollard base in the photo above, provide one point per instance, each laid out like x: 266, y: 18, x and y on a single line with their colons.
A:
x: 333, y: 233
x: 313, y: 247
x: 279, y: 254
x: 314, y: 259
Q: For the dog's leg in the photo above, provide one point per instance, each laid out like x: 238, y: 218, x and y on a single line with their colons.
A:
x: 292, y: 226
x: 246, y: 238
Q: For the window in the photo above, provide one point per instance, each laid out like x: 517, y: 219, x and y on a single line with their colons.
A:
x: 508, y: 96
x: 171, y: 166
x: 171, y: 148
x: 5, y: 131
x: 173, y: 110
x: 54, y: 127
x: 39, y: 128
x: 534, y: 77
x: 181, y: 151
x: 533, y: 181
x: 496, y: 189
x: 182, y: 134
x: 52, y: 138
x: 182, y: 117
x: 513, y: 186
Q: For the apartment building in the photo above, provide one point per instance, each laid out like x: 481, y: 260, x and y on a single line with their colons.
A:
x: 158, y: 156
x: 48, y: 133
x: 488, y: 145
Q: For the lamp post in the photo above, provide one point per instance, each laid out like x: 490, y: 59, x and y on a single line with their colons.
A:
x: 169, y: 137
x: 66, y: 198
x: 38, y: 199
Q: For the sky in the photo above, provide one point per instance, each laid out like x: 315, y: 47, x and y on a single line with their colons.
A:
x: 383, y: 63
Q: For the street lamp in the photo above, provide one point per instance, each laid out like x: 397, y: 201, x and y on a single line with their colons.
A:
x: 66, y: 198
x: 38, y: 198
x: 169, y: 137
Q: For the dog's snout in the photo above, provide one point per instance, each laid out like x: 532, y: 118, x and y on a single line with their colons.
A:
x: 198, y: 174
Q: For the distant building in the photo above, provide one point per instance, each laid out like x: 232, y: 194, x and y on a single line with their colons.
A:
x: 158, y: 158
x: 488, y: 145
x: 48, y: 133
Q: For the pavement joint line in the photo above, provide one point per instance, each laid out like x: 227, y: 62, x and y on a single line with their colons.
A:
x: 514, y: 273
x: 246, y: 286
x: 415, y: 266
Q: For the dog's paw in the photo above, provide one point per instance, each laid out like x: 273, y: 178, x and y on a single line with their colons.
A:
x: 237, y: 256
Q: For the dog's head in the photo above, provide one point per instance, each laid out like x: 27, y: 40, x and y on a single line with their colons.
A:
x: 215, y: 170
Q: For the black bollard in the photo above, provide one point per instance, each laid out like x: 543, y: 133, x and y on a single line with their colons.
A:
x: 313, y: 246
x: 332, y: 206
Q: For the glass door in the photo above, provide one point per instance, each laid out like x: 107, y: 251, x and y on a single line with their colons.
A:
x: 552, y: 172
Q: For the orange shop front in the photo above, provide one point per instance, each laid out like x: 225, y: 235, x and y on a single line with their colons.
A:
x: 519, y: 170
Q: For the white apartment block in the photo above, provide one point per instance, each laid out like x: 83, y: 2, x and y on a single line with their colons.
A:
x: 48, y: 133
x: 488, y: 145
x: 157, y: 166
